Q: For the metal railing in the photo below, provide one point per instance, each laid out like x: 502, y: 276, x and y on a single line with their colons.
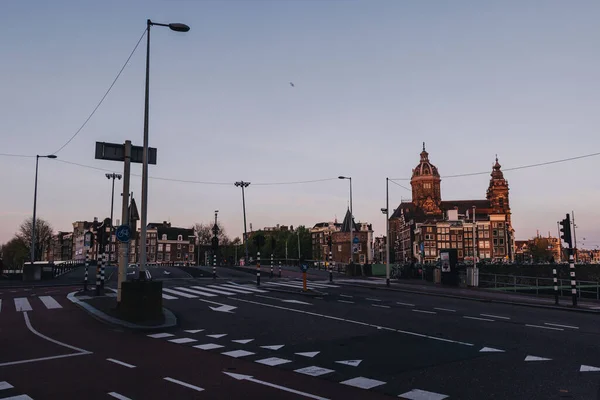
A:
x: 538, y: 286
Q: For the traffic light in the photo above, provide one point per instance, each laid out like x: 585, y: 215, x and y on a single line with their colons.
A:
x: 329, y: 242
x: 566, y: 230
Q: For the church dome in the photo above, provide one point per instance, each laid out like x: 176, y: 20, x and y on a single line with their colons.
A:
x: 496, y: 172
x: 425, y: 168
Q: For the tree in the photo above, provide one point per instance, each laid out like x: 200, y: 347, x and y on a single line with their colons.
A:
x: 205, y: 234
x: 43, y: 235
x: 539, y: 249
x: 14, y: 253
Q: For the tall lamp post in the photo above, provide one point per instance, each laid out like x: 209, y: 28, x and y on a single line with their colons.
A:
x: 112, y: 176
x: 386, y: 211
x: 351, y: 220
x: 243, y: 185
x: 37, y: 159
x: 177, y: 27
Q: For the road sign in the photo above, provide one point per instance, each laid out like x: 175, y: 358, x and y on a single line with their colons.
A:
x: 355, y: 249
x: 87, y: 239
x: 445, y: 258
x: 123, y: 233
x: 304, y: 267
x: 116, y: 152
x: 356, y: 240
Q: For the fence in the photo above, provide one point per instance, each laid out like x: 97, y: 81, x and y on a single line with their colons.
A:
x: 538, y: 286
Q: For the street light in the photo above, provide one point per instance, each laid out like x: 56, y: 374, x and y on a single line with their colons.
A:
x: 177, y: 27
x: 37, y: 158
x: 112, y: 176
x: 243, y: 185
x: 351, y: 220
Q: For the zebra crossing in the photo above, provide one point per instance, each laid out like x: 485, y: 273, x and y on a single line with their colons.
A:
x: 234, y: 289
x: 22, y: 304
x: 8, y: 389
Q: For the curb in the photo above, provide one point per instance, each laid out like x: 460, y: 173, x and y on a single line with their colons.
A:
x: 452, y: 296
x: 170, y: 318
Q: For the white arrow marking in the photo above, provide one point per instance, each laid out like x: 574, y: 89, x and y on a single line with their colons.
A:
x: 243, y: 341
x: 490, y: 350
x: 249, y: 378
x: 535, y: 358
x: 223, y: 308
x: 310, y: 354
x: 273, y: 347
x: 194, y: 330
x: 588, y: 368
x: 296, y: 302
x: 352, y: 363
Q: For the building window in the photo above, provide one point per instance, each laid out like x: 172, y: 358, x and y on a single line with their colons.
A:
x: 460, y: 254
x: 147, y: 241
x: 160, y: 247
x: 179, y: 246
x: 501, y: 201
x: 495, y: 233
x: 495, y: 242
x: 168, y: 257
x: 152, y: 249
x: 179, y: 237
x: 501, y: 241
x: 164, y: 236
x: 192, y: 257
x: 427, y: 185
x: 159, y: 256
x: 500, y: 224
x: 179, y: 256
x: 339, y: 248
x: 191, y: 248
x: 167, y: 247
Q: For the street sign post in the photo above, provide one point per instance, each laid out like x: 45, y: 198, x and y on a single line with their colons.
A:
x: 123, y: 233
x: 116, y: 152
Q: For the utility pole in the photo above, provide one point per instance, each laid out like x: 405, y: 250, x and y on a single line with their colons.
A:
x: 387, y: 232
x: 124, y: 246
x: 298, y: 229
x: 574, y: 236
x: 243, y: 185
x: 112, y: 176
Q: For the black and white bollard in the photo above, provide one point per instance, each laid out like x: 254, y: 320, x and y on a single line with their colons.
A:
x: 98, y: 282
x: 573, y: 281
x: 214, y: 266
x: 555, y: 279
x: 330, y: 268
x: 271, y: 265
x: 280, y: 269
x: 102, y: 269
x: 258, y: 268
x: 87, y: 267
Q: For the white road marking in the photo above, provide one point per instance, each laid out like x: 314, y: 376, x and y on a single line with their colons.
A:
x: 208, y: 346
x: 273, y: 347
x: 362, y: 382
x: 562, y: 326
x: 309, y: 354
x: 243, y: 341
x: 352, y: 363
x: 31, y: 360
x: 5, y: 385
x: 246, y: 287
x: 418, y: 394
x: 425, y: 311
x: 194, y: 330
x: 493, y: 316
x: 118, y: 396
x: 371, y: 299
x: 536, y: 358
x: 183, y: 340
x: 353, y: 322
x: 49, y: 302
x: 179, y: 293
x: 187, y: 385
x: 273, y: 361
x: 120, y: 363
x: 286, y: 285
x: 588, y: 368
x: 217, y: 335
x: 211, y: 290
x: 314, y: 371
x: 405, y: 304
x: 18, y: 397
x: 68, y: 346
x: 160, y: 335
x: 249, y: 378
x: 268, y: 297
x: 346, y: 301
x: 237, y: 353
x: 194, y: 291
x: 544, y: 327
x: 297, y: 302
x: 345, y: 295
x: 233, y: 288
x: 164, y: 296
x: 22, y: 304
x: 444, y: 309
x: 478, y: 319
x: 490, y: 350
x: 379, y: 305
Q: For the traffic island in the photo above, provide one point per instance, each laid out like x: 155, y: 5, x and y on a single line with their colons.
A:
x: 105, y: 309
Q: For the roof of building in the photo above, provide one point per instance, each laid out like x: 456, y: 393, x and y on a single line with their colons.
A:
x: 346, y: 223
x: 425, y: 168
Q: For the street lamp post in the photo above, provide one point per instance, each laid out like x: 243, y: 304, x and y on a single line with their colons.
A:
x: 386, y: 211
x: 177, y: 28
x: 243, y: 185
x: 112, y: 176
x: 37, y: 158
x: 351, y: 220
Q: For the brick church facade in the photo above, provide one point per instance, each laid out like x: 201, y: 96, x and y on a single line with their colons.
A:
x: 419, y: 229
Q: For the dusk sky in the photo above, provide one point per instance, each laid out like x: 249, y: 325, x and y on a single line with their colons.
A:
x: 373, y: 80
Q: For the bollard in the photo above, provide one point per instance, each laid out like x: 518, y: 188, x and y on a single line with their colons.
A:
x: 555, y: 279
x: 98, y: 283
x: 87, y: 266
x: 573, y: 281
x: 280, y: 269
x: 214, y: 266
x: 330, y: 268
x: 258, y: 268
x: 271, y: 265
x: 102, y: 267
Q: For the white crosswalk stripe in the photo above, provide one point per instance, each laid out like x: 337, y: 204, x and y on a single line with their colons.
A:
x: 198, y: 292
x: 193, y: 292
x: 237, y: 289
x: 211, y: 290
x: 49, y: 302
x: 22, y: 304
x: 180, y: 293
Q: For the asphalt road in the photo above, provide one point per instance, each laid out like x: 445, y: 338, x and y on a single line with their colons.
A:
x: 347, y: 343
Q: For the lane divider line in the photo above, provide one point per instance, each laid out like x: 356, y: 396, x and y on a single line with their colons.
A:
x: 185, y: 384
x: 120, y: 363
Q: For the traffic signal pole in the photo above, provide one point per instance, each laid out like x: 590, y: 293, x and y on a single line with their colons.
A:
x: 566, y: 236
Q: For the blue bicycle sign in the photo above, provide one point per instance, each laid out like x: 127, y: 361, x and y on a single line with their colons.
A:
x: 123, y: 233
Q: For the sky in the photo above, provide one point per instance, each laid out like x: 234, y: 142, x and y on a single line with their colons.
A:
x: 373, y: 79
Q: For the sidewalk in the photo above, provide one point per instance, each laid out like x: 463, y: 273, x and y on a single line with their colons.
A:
x: 470, y: 293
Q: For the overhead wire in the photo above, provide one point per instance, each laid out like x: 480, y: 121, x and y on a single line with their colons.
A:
x: 103, y: 97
